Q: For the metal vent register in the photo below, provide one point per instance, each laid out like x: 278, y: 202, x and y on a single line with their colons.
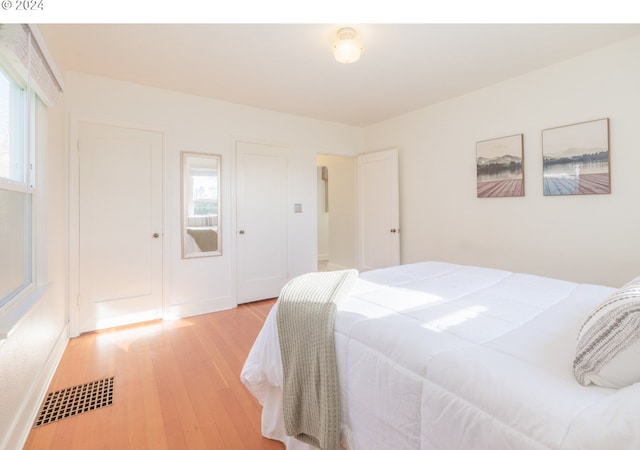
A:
x: 75, y: 400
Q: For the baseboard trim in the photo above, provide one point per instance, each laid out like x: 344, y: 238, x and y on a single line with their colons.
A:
x: 195, y: 308
x: 331, y: 266
x: 19, y: 433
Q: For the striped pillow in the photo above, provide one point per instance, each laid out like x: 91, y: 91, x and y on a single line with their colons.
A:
x: 608, y: 350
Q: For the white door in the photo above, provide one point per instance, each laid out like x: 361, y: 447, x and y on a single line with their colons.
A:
x: 378, y: 210
x: 120, y: 215
x: 261, y: 220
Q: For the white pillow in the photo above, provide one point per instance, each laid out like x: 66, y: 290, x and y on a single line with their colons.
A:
x: 608, y: 350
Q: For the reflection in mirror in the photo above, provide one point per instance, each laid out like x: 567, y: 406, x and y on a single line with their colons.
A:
x: 200, y: 205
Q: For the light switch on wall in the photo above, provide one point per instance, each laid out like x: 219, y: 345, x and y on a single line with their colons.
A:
x: 297, y: 207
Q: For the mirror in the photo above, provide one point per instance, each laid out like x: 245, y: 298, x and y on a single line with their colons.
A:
x: 200, y: 205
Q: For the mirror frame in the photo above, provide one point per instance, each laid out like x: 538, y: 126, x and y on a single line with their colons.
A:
x: 187, y: 242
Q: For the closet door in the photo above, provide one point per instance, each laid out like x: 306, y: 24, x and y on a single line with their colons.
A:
x: 261, y: 220
x: 378, y: 210
x: 120, y: 226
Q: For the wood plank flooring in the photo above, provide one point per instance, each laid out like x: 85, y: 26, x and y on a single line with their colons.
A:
x: 177, y: 386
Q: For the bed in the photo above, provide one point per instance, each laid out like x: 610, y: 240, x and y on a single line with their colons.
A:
x: 201, y: 234
x: 434, y: 355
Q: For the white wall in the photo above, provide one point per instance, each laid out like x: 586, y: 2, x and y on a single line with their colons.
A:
x: 589, y: 238
x: 198, y: 124
x: 29, y: 355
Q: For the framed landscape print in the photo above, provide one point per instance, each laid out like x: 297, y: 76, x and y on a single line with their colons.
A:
x: 576, y: 159
x: 499, y: 167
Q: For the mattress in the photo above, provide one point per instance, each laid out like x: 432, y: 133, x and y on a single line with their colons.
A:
x: 434, y: 355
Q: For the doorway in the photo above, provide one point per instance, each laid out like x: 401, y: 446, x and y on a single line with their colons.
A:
x: 336, y: 212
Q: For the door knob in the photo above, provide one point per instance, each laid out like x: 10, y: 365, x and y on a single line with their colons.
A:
x: 241, y: 231
x: 393, y: 230
x: 156, y: 235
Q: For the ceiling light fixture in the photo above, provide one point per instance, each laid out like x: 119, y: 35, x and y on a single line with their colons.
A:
x: 347, y: 49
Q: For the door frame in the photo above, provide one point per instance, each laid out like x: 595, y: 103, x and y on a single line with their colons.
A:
x: 75, y: 120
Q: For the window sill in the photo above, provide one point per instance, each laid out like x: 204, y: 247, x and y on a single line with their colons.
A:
x: 13, y: 314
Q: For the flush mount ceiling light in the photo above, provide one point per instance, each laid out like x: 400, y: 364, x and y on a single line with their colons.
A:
x: 347, y: 49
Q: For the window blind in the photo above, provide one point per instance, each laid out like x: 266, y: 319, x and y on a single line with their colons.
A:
x: 24, y: 58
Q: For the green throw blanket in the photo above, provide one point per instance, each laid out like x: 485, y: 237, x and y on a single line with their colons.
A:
x: 305, y: 316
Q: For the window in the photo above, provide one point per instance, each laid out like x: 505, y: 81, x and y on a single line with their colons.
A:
x: 205, y: 194
x: 15, y: 191
x: 29, y: 83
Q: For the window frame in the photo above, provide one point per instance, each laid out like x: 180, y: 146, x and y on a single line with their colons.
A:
x: 24, y: 59
x: 21, y: 181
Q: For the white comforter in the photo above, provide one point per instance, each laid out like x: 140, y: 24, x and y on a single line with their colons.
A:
x: 440, y: 356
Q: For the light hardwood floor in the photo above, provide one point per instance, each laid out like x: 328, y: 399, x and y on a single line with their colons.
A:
x: 177, y: 386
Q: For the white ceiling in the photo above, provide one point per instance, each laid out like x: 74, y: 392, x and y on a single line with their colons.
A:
x: 289, y: 68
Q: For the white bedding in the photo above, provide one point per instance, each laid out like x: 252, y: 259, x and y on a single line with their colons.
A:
x: 434, y: 355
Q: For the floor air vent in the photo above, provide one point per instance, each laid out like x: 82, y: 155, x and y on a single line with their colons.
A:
x: 75, y: 400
